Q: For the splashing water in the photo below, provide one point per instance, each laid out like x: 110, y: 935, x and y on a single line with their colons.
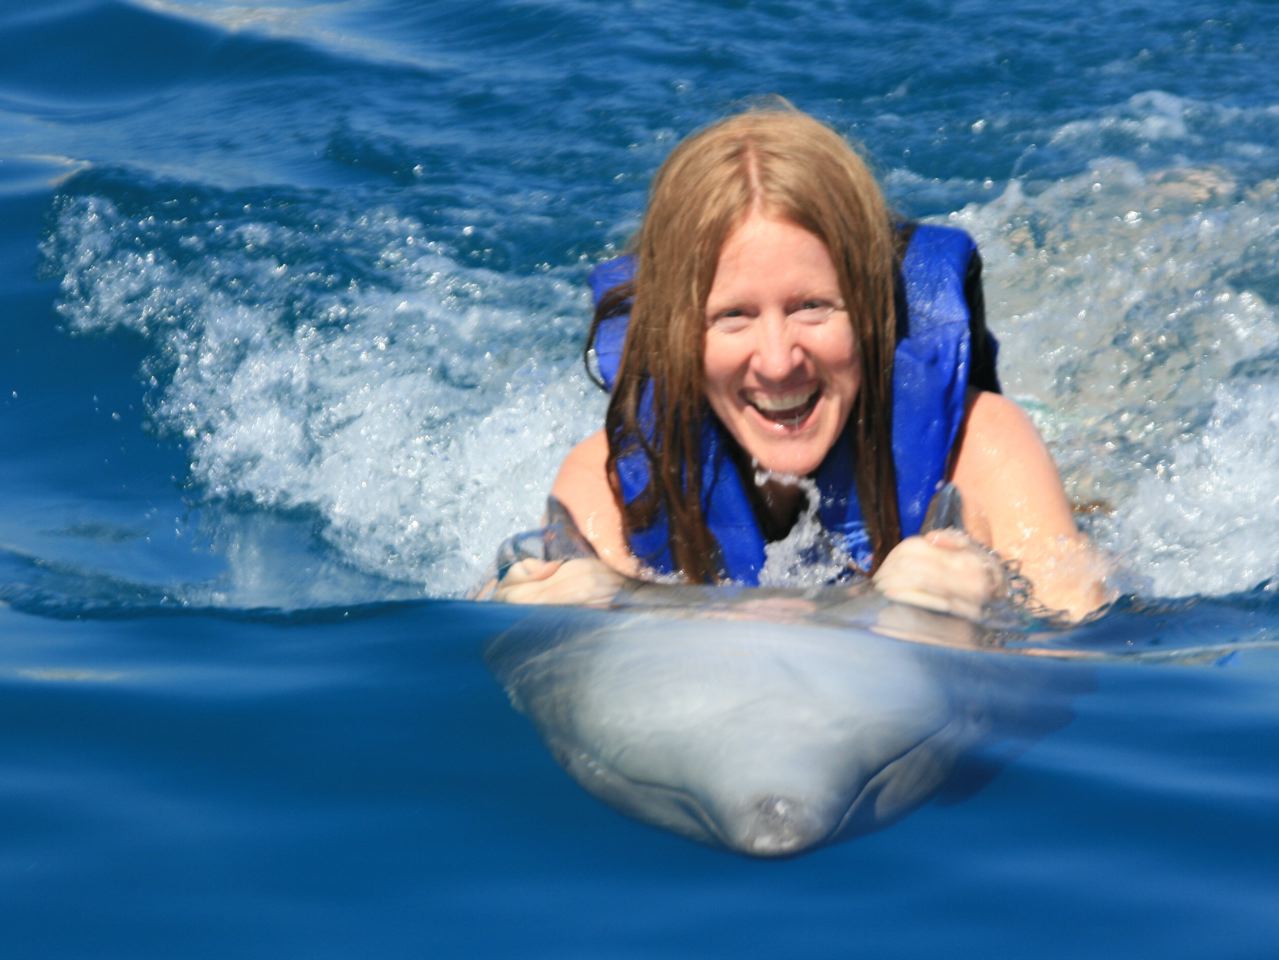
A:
x: 380, y: 372
x: 394, y: 397
x: 1141, y: 333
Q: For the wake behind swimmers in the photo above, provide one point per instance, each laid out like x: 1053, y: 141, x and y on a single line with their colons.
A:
x: 783, y: 325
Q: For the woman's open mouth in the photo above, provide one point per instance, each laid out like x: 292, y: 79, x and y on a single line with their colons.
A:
x: 787, y: 409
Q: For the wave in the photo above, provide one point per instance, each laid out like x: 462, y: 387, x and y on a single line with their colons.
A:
x: 132, y: 51
x: 340, y: 362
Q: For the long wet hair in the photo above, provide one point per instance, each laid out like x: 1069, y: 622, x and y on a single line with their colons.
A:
x: 786, y: 165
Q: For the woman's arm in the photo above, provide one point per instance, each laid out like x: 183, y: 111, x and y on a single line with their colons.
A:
x: 1013, y: 503
x: 582, y: 487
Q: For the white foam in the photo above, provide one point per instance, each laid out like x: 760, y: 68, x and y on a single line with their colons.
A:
x: 1204, y: 520
x: 806, y: 557
x: 328, y: 24
x: 1149, y: 116
x: 404, y: 410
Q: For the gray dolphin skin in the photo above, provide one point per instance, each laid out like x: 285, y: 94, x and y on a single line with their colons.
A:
x: 769, y: 738
x: 766, y: 721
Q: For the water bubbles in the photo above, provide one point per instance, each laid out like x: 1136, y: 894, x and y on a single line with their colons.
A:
x: 807, y: 556
x: 376, y: 384
x: 1204, y: 521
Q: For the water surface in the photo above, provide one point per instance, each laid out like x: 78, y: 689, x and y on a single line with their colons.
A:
x: 295, y: 298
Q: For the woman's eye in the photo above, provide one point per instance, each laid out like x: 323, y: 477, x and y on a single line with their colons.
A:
x: 812, y: 311
x: 729, y: 320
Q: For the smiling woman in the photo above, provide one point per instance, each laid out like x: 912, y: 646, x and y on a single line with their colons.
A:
x: 789, y: 349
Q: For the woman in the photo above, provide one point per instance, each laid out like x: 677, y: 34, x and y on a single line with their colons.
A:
x: 768, y: 342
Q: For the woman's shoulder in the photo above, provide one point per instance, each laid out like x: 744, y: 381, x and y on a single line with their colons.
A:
x: 995, y: 413
x: 1000, y: 450
x: 1014, y: 500
x: 587, y: 455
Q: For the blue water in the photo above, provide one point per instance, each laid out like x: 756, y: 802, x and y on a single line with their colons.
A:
x: 294, y: 303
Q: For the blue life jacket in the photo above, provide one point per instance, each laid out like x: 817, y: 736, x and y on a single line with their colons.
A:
x: 930, y: 382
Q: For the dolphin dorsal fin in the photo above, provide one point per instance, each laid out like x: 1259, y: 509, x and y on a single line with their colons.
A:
x: 945, y: 511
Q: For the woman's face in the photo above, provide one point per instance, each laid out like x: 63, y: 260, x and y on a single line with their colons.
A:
x: 781, y: 362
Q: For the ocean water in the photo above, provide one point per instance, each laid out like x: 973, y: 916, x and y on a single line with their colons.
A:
x: 294, y: 298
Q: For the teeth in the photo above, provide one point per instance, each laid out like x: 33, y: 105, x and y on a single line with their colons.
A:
x: 784, y: 401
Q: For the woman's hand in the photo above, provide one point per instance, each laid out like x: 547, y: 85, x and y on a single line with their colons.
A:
x: 583, y: 581
x: 944, y: 570
x: 1014, y: 501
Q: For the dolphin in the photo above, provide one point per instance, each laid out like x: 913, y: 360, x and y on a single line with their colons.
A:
x: 769, y: 722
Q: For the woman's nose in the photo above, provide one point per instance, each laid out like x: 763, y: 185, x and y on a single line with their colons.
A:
x: 777, y: 349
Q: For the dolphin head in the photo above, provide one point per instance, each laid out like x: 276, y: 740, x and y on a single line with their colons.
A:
x: 767, y: 738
